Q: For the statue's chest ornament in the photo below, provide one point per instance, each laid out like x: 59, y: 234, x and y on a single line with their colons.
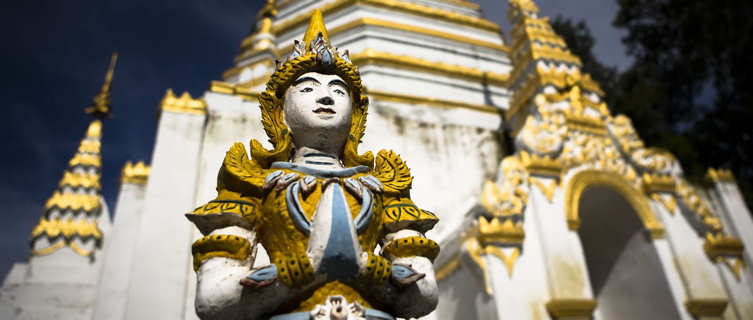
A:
x: 333, y: 232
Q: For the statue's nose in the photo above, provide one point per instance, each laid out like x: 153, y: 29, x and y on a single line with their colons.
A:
x: 326, y: 100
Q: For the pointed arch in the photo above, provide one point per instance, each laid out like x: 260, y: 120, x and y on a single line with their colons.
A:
x: 586, y: 178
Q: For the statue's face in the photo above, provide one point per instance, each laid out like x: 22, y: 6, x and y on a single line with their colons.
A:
x: 318, y: 111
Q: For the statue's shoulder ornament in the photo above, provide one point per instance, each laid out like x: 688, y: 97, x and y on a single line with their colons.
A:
x: 239, y: 193
x: 399, y: 210
x: 393, y: 173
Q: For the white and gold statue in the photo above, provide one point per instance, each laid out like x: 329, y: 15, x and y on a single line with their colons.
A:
x: 344, y: 239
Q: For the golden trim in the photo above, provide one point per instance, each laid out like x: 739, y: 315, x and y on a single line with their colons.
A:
x: 706, y: 307
x: 586, y: 124
x: 548, y: 191
x: 697, y: 205
x: 556, y: 54
x: 81, y: 251
x: 720, y: 245
x: 654, y: 182
x: 541, y: 165
x: 475, y: 251
x: 720, y: 175
x: 73, y: 201
x: 735, y: 266
x: 571, y: 307
x: 587, y: 178
x: 222, y: 87
x: 89, y: 146
x: 59, y: 245
x: 462, y: 3
x: 182, y: 104
x: 374, y: 22
x: 75, y: 180
x: 229, y: 88
x: 496, y: 232
x: 396, y: 97
x: 415, y: 9
x: 370, y: 56
x: 135, y: 174
x: 48, y: 250
x: 83, y: 159
x: 669, y: 203
x: 238, y: 69
x: 67, y: 228
x: 447, y: 269
x: 509, y: 260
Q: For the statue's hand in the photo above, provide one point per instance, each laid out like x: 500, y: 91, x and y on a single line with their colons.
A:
x: 279, y: 180
x: 403, y: 275
x: 379, y: 269
x: 260, y: 277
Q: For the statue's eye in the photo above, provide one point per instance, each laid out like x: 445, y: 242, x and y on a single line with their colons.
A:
x: 340, y: 92
x: 307, y: 89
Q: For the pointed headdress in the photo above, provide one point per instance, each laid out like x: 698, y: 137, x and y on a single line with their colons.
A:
x: 314, y: 54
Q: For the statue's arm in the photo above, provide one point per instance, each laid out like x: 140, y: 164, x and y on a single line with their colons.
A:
x: 224, y: 260
x: 411, y: 290
x: 415, y: 287
x: 221, y: 259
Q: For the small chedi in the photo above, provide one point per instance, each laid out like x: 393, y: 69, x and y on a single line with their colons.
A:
x: 343, y: 237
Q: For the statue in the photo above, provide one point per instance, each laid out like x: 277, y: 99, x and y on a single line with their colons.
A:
x: 343, y: 237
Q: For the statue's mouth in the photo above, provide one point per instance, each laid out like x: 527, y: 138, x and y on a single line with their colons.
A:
x: 324, y: 111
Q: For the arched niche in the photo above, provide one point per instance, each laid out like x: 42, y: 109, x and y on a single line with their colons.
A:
x: 591, y: 178
x: 624, y: 268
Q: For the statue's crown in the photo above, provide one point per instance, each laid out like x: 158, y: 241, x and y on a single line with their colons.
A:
x: 316, y: 42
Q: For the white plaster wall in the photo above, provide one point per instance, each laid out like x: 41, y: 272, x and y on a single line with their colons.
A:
x: 115, y: 278
x: 449, y: 162
x: 462, y: 296
x: 230, y: 119
x: 421, y: 46
x: 524, y: 293
x: 563, y: 253
x: 332, y: 21
x: 739, y: 291
x: 674, y: 278
x: 738, y: 214
x: 400, y: 81
x: 698, y: 271
x: 161, y: 261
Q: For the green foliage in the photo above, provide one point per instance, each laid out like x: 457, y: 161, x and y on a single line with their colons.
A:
x: 688, y: 88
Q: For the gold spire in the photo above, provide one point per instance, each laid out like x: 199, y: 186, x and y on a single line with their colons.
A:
x: 525, y: 5
x: 69, y: 211
x: 102, y: 104
x: 316, y: 25
x: 269, y: 10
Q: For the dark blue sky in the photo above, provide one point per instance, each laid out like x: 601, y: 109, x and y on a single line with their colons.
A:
x: 55, y: 54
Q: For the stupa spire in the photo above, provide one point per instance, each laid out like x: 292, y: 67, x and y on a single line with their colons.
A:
x: 71, y: 215
x: 102, y: 105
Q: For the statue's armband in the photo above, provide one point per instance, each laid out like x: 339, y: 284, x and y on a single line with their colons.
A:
x: 409, y: 243
x: 220, y: 245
